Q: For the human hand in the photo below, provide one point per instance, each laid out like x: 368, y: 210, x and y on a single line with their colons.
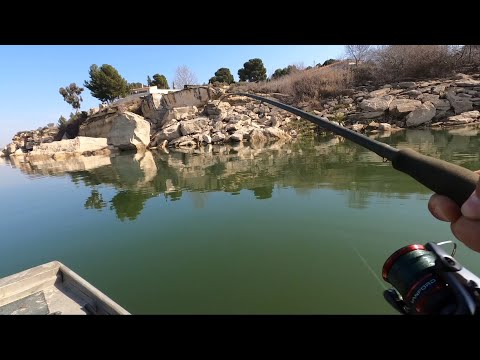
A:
x: 464, y: 221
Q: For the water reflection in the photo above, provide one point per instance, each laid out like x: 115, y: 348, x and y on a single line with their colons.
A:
x: 328, y: 162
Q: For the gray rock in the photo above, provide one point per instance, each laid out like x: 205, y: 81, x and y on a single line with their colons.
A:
x: 438, y: 90
x: 465, y: 118
x: 460, y: 76
x: 467, y: 83
x: 403, y: 106
x: 232, y: 127
x: 475, y: 101
x: 218, y: 137
x: 237, y: 136
x: 413, y: 93
x: 194, y: 126
x: 206, y: 138
x: 183, y: 141
x: 218, y: 126
x: 421, y: 114
x: 442, y: 104
x: 407, y: 85
x: 169, y: 133
x: 459, y: 104
x: 376, y: 104
x: 379, y: 93
x: 429, y: 97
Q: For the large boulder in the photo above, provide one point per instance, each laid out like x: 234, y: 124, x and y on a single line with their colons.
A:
x: 124, y: 130
x: 129, y: 131
x: 460, y: 104
x: 421, y: 114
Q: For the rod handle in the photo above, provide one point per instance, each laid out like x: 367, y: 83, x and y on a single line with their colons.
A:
x: 442, y: 177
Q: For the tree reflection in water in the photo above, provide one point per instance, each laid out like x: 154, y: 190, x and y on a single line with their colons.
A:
x: 328, y: 162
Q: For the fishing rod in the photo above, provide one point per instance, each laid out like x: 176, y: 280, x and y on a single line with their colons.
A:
x: 425, y: 279
x: 440, y: 176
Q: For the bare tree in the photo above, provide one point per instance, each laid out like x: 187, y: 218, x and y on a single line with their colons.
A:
x: 184, y: 76
x: 299, y: 65
x: 357, y: 52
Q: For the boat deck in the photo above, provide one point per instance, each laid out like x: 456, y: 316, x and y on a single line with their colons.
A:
x: 53, y: 289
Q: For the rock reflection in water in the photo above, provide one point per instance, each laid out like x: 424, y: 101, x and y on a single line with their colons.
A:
x: 329, y: 162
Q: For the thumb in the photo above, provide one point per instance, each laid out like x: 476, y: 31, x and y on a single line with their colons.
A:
x: 471, y: 207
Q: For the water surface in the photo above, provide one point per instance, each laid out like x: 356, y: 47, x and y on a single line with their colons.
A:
x: 299, y: 228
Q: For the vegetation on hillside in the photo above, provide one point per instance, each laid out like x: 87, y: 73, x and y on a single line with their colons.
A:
x: 72, y: 95
x: 222, y: 75
x: 253, y: 71
x: 106, y: 84
x: 160, y: 81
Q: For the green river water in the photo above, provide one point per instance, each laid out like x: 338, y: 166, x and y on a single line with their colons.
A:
x: 300, y: 228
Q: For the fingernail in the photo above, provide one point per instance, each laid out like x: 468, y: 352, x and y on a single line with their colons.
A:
x: 471, y: 207
x: 438, y: 213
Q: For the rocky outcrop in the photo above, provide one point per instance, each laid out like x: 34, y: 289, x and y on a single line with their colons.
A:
x: 123, y: 130
x: 228, y: 120
x: 421, y: 103
x: 67, y: 148
x: 26, y: 140
x: 201, y: 115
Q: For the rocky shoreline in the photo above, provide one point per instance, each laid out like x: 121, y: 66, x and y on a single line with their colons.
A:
x: 203, y: 115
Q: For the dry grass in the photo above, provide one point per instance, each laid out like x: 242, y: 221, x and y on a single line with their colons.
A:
x: 312, y: 84
x: 388, y: 63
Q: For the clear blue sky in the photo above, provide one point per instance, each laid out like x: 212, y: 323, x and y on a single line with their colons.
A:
x: 30, y: 76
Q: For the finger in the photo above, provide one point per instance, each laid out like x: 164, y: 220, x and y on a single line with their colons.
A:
x: 471, y: 207
x: 468, y: 232
x: 443, y: 208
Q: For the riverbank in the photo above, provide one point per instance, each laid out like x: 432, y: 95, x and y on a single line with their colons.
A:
x: 202, y: 115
